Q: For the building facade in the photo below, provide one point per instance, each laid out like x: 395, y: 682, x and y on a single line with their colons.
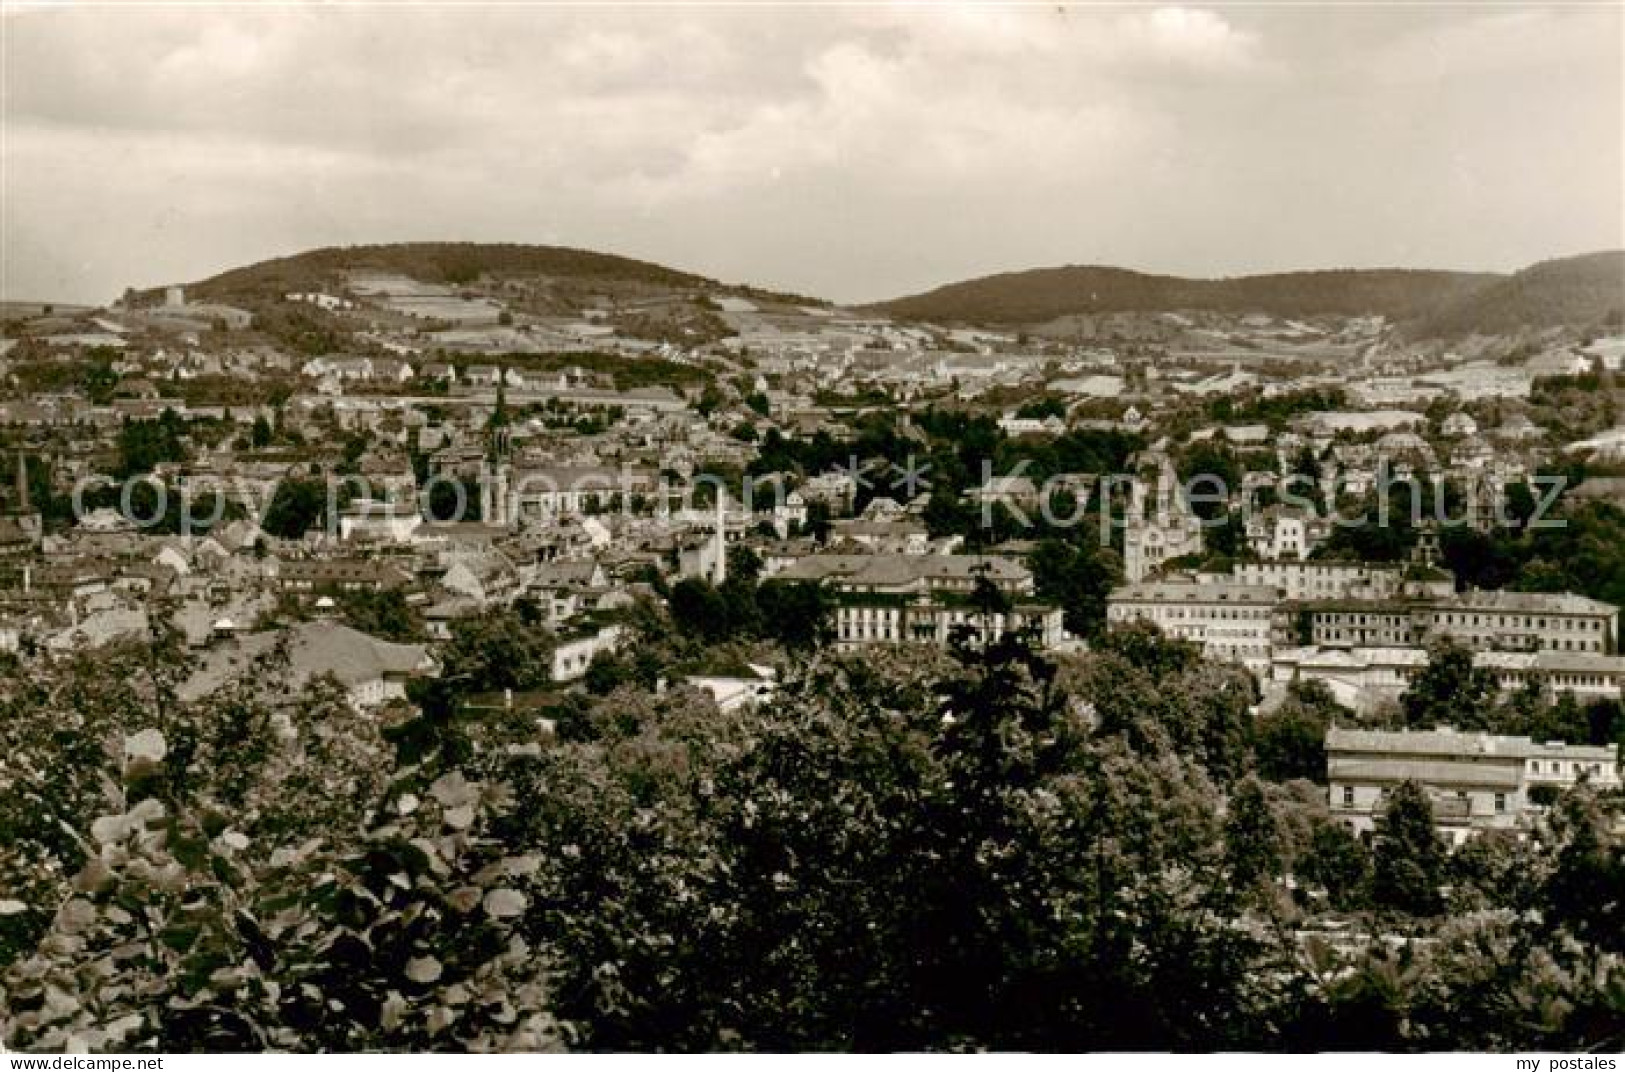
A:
x: 1475, y: 781
x: 1229, y: 621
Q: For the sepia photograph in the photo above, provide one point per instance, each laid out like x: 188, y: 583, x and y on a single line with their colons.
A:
x: 813, y: 528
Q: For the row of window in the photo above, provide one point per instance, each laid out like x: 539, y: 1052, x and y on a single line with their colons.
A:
x: 1555, y: 766
x: 1502, y: 621
x: 1382, y: 795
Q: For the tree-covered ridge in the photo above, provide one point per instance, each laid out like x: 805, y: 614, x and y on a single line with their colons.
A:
x: 455, y: 264
x: 1042, y: 294
x: 1585, y: 292
x: 904, y: 849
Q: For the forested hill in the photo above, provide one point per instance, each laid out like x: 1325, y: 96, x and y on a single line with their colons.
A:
x: 1582, y: 291
x: 457, y: 264
x: 1042, y: 294
x: 1585, y: 292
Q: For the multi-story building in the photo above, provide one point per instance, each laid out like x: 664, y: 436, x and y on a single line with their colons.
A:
x: 1347, y: 623
x: 1314, y: 579
x: 896, y: 598
x: 1476, y: 781
x: 1482, y: 621
x: 1230, y: 621
x: 1362, y: 678
x: 1524, y: 621
x: 1281, y: 533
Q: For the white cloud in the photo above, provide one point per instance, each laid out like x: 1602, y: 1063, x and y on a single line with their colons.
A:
x: 854, y: 151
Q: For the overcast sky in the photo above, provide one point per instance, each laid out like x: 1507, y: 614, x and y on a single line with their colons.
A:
x: 851, y: 152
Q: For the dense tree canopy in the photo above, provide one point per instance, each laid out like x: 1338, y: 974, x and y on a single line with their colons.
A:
x: 903, y: 849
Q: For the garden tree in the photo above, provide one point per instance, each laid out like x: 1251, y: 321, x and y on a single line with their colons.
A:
x: 1145, y: 647
x: 1605, y: 719
x: 797, y: 614
x: 1226, y: 541
x: 1338, y: 863
x: 498, y: 649
x: 698, y: 609
x: 817, y: 526
x: 891, y: 854
x: 51, y: 786
x: 1492, y: 981
x: 145, y: 444
x: 1450, y: 690
x: 1518, y: 709
x: 1159, y: 697
x: 1496, y: 869
x: 711, y: 399
x: 1078, y: 577
x: 297, y: 506
x: 1408, y: 862
x: 1289, y: 740
x: 1562, y: 720
x: 915, y: 849
x: 1478, y: 559
x: 605, y: 674
x: 452, y: 499
x: 1585, y: 892
x: 744, y: 564
x: 946, y: 512
x: 98, y: 379
x: 1252, y: 841
x: 1214, y: 469
x: 384, y: 614
x: 260, y: 434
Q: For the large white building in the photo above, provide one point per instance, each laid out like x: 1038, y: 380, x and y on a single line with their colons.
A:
x: 1481, y: 621
x: 1476, y: 781
x: 1317, y: 579
x: 1362, y: 678
x: 896, y: 598
x: 1230, y: 621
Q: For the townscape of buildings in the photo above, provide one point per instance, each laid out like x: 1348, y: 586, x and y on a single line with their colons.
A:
x: 483, y: 462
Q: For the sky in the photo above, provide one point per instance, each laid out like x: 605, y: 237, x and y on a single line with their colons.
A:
x: 854, y: 152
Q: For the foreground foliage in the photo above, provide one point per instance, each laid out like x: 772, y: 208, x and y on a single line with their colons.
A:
x: 904, y: 850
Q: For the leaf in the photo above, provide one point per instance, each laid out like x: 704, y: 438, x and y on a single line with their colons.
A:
x: 464, y: 899
x: 148, y: 745
x: 459, y: 818
x: 423, y: 970
x: 109, y: 828
x: 393, y: 1010
x: 76, y: 915
x: 504, y: 903
x: 12, y: 908
x: 453, y: 790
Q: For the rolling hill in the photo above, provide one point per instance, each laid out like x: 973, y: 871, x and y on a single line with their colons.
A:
x: 1575, y: 291
x: 1043, y: 294
x: 1584, y: 292
x: 461, y: 264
